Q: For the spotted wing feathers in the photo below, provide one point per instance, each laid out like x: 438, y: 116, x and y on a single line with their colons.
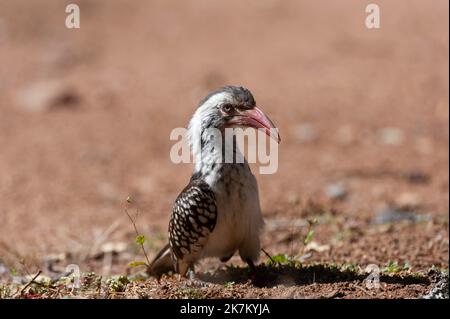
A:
x: 193, y: 218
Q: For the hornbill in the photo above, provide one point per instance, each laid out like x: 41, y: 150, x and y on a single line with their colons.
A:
x: 218, y: 212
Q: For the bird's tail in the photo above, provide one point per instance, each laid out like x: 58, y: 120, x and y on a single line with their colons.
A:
x: 162, y: 263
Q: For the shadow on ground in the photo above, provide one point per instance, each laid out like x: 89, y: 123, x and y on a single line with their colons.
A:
x: 290, y: 275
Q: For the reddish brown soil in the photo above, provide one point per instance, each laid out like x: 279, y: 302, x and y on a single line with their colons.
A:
x: 136, y: 70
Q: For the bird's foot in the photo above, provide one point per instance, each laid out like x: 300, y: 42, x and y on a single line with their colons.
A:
x: 252, y: 268
x: 196, y: 281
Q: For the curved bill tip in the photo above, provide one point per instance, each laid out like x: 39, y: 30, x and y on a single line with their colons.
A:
x: 275, y: 135
x: 258, y: 120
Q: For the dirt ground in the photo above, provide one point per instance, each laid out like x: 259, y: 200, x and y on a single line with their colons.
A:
x: 85, y: 118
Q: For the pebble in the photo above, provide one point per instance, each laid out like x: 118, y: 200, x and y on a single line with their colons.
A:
x: 336, y: 191
x: 293, y: 198
x: 392, y: 215
x: 390, y: 136
x: 306, y: 132
x: 314, y: 246
x: 113, y: 247
x: 416, y: 177
x: 108, y: 192
x: 4, y: 270
x: 44, y: 95
x: 408, y: 200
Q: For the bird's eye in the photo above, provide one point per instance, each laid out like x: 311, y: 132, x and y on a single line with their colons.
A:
x: 227, y: 108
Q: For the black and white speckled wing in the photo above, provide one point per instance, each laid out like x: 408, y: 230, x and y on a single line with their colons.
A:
x: 194, y: 217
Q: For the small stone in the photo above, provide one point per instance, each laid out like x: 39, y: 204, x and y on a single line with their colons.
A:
x: 108, y: 192
x: 43, y: 96
x: 306, y: 132
x: 293, y: 199
x: 305, y: 257
x: 416, y: 177
x: 392, y: 215
x: 314, y: 246
x: 336, y: 191
x: 407, y: 200
x: 390, y: 136
x: 4, y: 270
x: 113, y: 247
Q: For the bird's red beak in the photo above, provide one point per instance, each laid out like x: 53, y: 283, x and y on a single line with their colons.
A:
x: 257, y: 119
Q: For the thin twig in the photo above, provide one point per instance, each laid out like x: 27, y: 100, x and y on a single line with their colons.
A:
x: 137, y: 234
x: 24, y: 266
x: 267, y: 254
x: 295, y: 231
x: 30, y: 282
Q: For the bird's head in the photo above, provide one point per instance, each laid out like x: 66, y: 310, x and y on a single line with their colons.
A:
x: 231, y: 106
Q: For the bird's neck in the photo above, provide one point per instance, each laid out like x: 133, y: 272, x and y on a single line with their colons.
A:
x: 214, y: 154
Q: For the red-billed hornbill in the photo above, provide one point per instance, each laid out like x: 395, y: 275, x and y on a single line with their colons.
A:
x: 218, y: 212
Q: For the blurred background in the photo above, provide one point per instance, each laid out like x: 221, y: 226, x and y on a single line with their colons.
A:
x: 85, y: 117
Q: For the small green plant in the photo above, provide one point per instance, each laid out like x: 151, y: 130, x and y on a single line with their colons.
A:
x: 192, y: 293
x: 393, y: 267
x: 91, y: 280
x: 350, y: 267
x: 278, y: 260
x: 14, y: 272
x: 5, y: 292
x: 137, y: 263
x: 229, y: 284
x: 118, y: 283
x: 284, y: 259
x: 309, y: 235
x: 417, y: 275
x: 140, y: 239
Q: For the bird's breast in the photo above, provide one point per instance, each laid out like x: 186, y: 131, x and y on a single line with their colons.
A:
x: 238, y: 209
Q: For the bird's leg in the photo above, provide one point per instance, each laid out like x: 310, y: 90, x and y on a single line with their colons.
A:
x: 226, y: 258
x: 252, y: 267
